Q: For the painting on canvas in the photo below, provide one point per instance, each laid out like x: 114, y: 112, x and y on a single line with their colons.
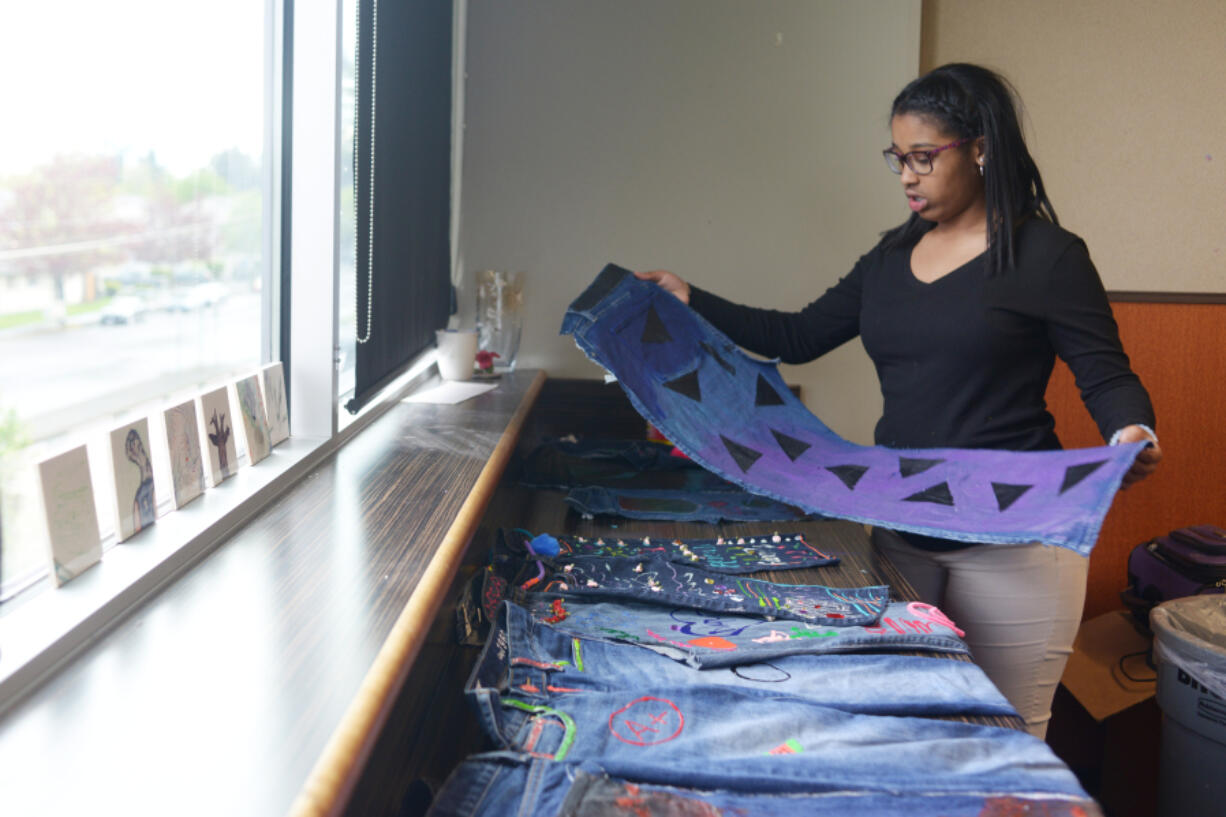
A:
x: 136, y: 503
x: 219, y: 430
x: 183, y: 442
x: 255, y: 425
x: 72, y: 520
x: 274, y: 400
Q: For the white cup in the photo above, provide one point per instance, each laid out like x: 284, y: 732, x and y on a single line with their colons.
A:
x: 457, y: 349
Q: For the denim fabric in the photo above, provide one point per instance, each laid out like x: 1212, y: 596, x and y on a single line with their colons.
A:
x: 504, y: 784
x: 530, y: 659
x: 617, y: 464
x: 512, y: 564
x: 707, y: 736
x: 640, y: 455
x: 705, y: 641
x: 598, y: 795
x: 681, y: 506
x: 509, y: 784
x: 617, y: 476
x: 658, y: 581
x: 735, y: 416
x: 743, y: 554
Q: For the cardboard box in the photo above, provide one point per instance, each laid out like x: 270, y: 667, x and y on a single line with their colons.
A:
x: 1108, y: 649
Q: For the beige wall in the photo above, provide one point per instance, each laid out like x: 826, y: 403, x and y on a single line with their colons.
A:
x: 1126, y: 121
x: 737, y: 143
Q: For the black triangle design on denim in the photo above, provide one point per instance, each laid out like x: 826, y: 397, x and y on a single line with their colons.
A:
x: 605, y: 282
x: 1076, y: 473
x: 790, y: 445
x: 1007, y: 493
x: 687, y: 384
x: 849, y: 474
x: 938, y: 495
x: 654, y: 331
x: 767, y: 396
x: 744, y: 455
x: 910, y: 466
x: 723, y: 364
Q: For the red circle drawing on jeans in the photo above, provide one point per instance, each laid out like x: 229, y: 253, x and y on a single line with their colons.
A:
x: 646, y: 721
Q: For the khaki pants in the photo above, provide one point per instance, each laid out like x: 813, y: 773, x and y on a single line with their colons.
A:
x: 1019, y: 605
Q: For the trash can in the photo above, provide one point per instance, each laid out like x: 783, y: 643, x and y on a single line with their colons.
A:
x: 1190, y: 648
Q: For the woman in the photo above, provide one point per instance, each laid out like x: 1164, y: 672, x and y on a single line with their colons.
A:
x: 963, y: 309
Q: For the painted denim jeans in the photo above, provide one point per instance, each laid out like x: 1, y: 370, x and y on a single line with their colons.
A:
x: 708, y: 736
x: 705, y: 641
x: 532, y: 660
x: 511, y: 784
x: 681, y: 506
x: 658, y: 581
x: 734, y: 415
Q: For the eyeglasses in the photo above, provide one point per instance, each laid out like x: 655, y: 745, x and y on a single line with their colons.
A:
x: 920, y: 161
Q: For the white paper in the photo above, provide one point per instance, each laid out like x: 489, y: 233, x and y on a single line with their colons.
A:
x: 451, y: 392
x: 274, y: 401
x: 132, y: 463
x: 255, y: 419
x: 72, y: 522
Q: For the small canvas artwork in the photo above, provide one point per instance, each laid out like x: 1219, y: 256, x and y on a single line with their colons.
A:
x: 72, y: 520
x: 255, y: 424
x: 219, y: 430
x: 274, y: 400
x: 183, y: 442
x: 136, y: 503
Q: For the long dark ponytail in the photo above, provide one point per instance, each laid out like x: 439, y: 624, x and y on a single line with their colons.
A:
x: 969, y: 101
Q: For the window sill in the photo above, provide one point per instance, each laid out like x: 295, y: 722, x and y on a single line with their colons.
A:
x: 43, y: 627
x: 38, y: 634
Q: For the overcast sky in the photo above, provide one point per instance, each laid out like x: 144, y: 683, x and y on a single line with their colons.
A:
x: 185, y: 79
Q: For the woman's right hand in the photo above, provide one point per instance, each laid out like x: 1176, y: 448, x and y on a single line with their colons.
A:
x: 668, y: 282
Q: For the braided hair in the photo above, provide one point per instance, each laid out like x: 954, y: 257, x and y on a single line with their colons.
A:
x: 969, y: 101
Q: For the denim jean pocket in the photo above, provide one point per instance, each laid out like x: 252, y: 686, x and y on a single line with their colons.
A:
x: 666, y: 355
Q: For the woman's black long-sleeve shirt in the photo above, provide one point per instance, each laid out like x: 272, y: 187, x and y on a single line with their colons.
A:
x: 963, y: 361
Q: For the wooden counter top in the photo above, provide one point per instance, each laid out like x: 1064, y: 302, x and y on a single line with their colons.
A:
x: 256, y: 683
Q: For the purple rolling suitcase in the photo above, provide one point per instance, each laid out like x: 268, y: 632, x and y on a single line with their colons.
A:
x: 1185, y: 562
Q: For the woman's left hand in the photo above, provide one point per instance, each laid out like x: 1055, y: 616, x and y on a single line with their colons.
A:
x: 1146, y: 461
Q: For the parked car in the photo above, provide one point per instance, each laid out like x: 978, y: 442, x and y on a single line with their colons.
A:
x: 122, y: 309
x: 196, y: 297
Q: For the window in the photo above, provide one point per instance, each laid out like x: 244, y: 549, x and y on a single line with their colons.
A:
x: 136, y: 224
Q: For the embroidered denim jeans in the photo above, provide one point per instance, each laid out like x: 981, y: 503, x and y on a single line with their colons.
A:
x: 530, y: 659
x: 743, y: 554
x: 720, y: 555
x: 658, y: 581
x: 704, y: 640
x: 734, y: 415
x: 512, y: 564
x: 510, y: 784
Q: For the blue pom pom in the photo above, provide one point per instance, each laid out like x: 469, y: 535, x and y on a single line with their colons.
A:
x: 545, y: 545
